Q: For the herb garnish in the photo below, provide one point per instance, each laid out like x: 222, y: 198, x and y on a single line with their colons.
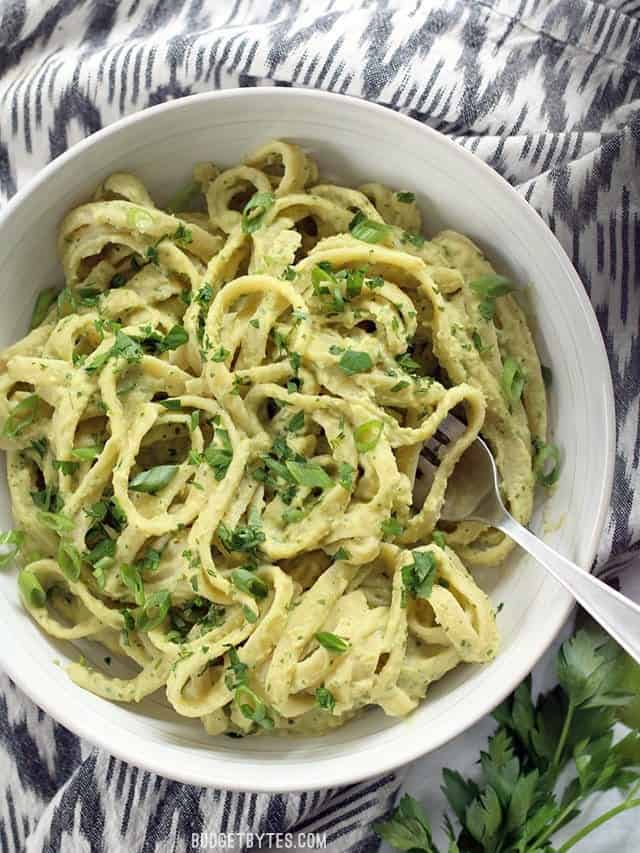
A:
x: 418, y: 576
x: 255, y: 211
x: 546, y: 463
x: 354, y: 361
x: 368, y: 230
x: 325, y: 699
x: 489, y: 288
x: 332, y: 642
x: 512, y: 380
x: 154, y: 479
x: 518, y: 805
x: 251, y: 706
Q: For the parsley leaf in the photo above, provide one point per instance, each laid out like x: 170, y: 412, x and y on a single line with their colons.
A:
x: 354, y: 361
x: 245, y: 537
x: 489, y: 288
x: 419, y: 575
x: 307, y: 474
x: 391, y: 528
x: 296, y: 423
x: 255, y: 211
x: 345, y: 475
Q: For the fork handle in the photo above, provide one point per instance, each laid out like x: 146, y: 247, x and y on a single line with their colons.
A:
x: 618, y: 615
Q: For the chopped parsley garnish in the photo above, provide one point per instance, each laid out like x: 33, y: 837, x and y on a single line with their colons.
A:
x: 406, y: 197
x: 289, y: 274
x: 489, y: 288
x: 375, y: 282
x: 307, y: 474
x: 255, y: 211
x: 296, y: 423
x: 182, y: 234
x: 345, y: 475
x: 47, y: 499
x: 245, y: 537
x: 132, y: 579
x: 439, y: 538
x: 65, y: 467
x: 248, y: 582
x: 391, y: 528
x: 219, y: 458
x: 250, y: 705
x: 205, y: 294
x: 419, y: 576
x: 295, y: 361
x: 409, y: 364
x: 153, y: 612
x: 220, y: 354
x: 478, y: 343
x: 341, y: 554
x: 353, y: 361
x: 55, y: 521
x: 154, y: 343
x: 39, y: 445
x: 21, y: 416
x: 198, y: 612
x: 124, y: 347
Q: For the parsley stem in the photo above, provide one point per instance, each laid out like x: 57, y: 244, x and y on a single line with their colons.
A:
x: 624, y: 806
x: 538, y: 844
x: 555, y: 765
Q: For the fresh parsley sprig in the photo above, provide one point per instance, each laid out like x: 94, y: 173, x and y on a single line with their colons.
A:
x: 519, y: 802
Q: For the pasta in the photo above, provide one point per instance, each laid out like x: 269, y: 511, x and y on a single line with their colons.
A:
x: 213, y: 434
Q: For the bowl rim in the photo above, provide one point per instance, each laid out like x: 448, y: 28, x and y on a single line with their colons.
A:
x: 158, y: 759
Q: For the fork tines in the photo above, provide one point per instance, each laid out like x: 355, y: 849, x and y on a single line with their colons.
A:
x: 435, y: 449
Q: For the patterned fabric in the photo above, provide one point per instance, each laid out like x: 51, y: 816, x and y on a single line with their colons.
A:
x: 546, y: 91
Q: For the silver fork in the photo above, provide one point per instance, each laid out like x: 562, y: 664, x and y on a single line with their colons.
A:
x: 473, y: 494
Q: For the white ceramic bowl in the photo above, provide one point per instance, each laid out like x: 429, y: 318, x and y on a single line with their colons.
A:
x: 353, y: 141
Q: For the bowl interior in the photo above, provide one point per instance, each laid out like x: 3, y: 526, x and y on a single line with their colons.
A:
x: 353, y: 142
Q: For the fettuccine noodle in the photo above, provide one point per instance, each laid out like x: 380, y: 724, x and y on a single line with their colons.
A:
x: 213, y: 436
